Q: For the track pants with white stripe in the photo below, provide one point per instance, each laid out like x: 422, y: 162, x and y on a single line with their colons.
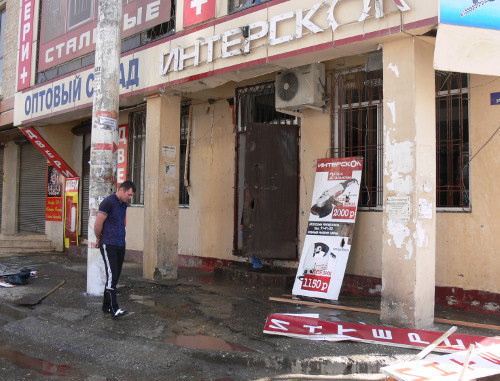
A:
x: 113, y: 257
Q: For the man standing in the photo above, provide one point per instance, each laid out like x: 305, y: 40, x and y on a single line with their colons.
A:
x: 109, y: 230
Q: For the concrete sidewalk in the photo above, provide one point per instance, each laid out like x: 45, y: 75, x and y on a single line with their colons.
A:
x: 194, y: 328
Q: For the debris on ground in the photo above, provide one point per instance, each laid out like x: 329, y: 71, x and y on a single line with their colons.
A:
x: 463, y: 365
x: 18, y: 278
x: 312, y: 328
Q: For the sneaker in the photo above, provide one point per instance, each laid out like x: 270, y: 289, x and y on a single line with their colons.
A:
x: 118, y: 313
x: 106, y: 310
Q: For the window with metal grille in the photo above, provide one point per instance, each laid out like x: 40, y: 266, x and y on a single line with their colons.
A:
x: 137, y: 153
x: 238, y: 5
x: 358, y: 127
x: 185, y: 122
x: 452, y: 140
x: 256, y: 105
x: 80, y: 11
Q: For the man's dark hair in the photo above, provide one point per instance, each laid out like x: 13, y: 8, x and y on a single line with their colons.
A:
x: 126, y: 185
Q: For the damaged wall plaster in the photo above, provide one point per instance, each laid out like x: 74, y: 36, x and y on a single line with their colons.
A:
x: 394, y: 68
x: 398, y: 231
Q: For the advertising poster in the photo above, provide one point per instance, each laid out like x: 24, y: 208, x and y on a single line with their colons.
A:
x: 53, y: 201
x: 71, y: 212
x: 330, y: 227
x: 475, y: 13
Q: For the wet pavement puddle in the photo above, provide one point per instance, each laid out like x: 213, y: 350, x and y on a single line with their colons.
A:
x: 39, y: 365
x: 206, y: 342
x: 143, y: 299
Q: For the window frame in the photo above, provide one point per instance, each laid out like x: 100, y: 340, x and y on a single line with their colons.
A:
x: 338, y: 144
x: 440, y: 94
x: 132, y: 152
x: 81, y: 22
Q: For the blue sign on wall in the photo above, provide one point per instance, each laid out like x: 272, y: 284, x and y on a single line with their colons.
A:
x: 476, y: 13
x: 495, y: 99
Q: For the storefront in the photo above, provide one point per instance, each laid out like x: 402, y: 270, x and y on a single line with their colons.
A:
x: 226, y: 122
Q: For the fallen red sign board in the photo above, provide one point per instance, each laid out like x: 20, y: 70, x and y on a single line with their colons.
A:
x: 483, y: 362
x: 314, y: 329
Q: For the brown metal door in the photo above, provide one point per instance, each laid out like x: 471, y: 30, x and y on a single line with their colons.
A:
x: 270, y: 201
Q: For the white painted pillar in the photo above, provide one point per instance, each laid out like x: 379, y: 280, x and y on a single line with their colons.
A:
x: 161, y: 194
x: 103, y: 156
x: 408, y: 253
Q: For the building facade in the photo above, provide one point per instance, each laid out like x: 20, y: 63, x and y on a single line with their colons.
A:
x: 225, y: 107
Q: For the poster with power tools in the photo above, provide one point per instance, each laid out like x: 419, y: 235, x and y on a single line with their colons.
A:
x: 330, y: 227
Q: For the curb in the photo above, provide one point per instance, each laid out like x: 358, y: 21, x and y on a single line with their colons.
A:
x: 331, y: 365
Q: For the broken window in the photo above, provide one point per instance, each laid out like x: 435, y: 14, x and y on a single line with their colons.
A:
x: 452, y: 140
x: 137, y: 153
x: 358, y: 127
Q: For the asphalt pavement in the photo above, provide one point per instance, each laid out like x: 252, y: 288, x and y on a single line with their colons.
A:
x: 193, y: 328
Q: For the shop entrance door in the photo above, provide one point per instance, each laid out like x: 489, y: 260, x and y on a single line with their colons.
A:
x: 268, y: 173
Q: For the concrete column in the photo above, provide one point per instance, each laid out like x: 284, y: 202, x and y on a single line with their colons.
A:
x: 10, y: 188
x: 105, y: 108
x: 408, y: 252
x: 161, y: 197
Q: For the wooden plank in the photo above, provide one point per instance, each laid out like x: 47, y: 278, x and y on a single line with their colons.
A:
x: 428, y: 349
x: 335, y: 306
x: 466, y: 362
x: 377, y: 312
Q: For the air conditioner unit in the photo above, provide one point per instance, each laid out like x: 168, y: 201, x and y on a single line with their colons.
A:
x: 301, y: 87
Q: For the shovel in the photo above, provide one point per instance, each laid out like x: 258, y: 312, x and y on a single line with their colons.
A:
x: 33, y: 300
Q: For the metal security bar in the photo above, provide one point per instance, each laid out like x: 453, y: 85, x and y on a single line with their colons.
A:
x: 452, y: 140
x: 358, y: 131
x: 256, y: 104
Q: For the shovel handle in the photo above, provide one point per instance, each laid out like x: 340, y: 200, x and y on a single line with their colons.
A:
x: 53, y: 290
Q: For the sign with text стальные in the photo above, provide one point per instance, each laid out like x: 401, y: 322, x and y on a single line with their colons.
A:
x: 329, y: 230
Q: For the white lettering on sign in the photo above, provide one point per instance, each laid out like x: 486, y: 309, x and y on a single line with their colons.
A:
x: 197, y: 4
x: 415, y: 338
x: 352, y: 164
x: 382, y: 334
x: 313, y: 328
x: 26, y: 37
x: 235, y: 41
x: 279, y: 324
x: 122, y: 153
x: 47, y: 151
x: 134, y: 17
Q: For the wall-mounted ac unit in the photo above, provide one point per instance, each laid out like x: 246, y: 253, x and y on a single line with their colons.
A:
x: 301, y: 87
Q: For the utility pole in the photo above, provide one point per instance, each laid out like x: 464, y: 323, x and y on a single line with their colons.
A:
x: 103, y: 156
